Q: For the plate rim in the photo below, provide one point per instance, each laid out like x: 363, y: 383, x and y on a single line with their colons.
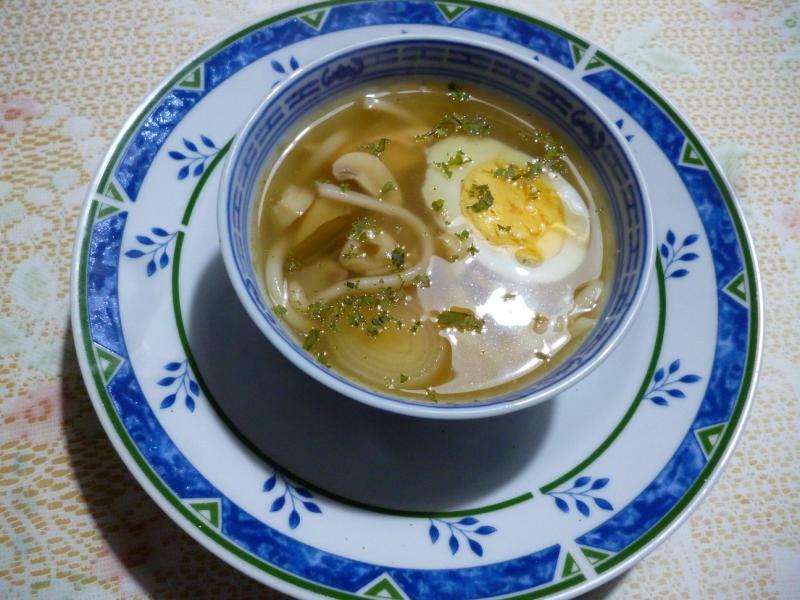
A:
x: 239, y: 558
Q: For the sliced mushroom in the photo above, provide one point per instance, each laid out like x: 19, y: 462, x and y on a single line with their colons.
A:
x: 369, y: 172
x: 292, y: 204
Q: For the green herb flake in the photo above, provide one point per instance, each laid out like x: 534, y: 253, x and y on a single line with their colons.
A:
x: 378, y: 323
x: 504, y: 228
x: 437, y: 205
x: 377, y: 148
x: 476, y: 125
x: 312, y: 337
x: 459, y: 159
x: 455, y: 123
x: 362, y: 228
x: 473, y: 250
x: 355, y: 318
x: 417, y: 324
x: 463, y: 236
x: 484, y: 196
x: 387, y: 187
x: 350, y: 309
x: 279, y: 310
x: 510, y: 172
x: 291, y: 265
x: 508, y: 296
x: 422, y: 281
x: 463, y: 321
x: 352, y: 284
x: 322, y: 357
x: 403, y: 378
x: 456, y: 92
x: 432, y: 395
x: 398, y: 258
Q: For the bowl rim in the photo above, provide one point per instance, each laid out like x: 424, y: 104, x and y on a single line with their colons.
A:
x: 399, y: 405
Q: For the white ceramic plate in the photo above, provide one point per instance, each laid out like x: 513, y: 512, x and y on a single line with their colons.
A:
x: 317, y: 495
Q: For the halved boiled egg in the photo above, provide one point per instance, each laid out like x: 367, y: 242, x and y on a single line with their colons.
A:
x: 524, y: 228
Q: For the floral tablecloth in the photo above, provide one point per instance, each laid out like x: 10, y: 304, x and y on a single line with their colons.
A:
x: 74, y: 523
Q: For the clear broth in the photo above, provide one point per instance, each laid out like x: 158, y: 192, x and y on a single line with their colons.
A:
x: 400, y: 111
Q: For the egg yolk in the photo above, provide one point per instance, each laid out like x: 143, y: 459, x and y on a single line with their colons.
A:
x: 525, y: 214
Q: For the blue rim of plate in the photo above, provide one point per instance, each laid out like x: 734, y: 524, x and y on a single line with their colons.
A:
x: 278, y: 559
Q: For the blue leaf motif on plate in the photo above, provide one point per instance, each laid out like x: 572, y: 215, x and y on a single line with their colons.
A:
x: 292, y: 497
x: 196, y: 158
x: 581, y: 497
x: 673, y: 255
x: 463, y: 528
x: 182, y: 384
x: 155, y: 249
x: 666, y: 384
x: 278, y: 67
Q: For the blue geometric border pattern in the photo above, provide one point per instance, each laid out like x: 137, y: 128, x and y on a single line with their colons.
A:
x: 176, y: 103
x: 249, y: 533
x: 725, y: 381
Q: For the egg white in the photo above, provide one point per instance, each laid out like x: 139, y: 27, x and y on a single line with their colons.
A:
x: 501, y: 259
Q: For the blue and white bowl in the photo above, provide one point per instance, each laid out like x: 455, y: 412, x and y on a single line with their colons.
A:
x: 516, y: 75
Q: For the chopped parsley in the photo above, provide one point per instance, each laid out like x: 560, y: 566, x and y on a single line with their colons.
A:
x: 312, y: 337
x: 322, y: 357
x: 504, y: 228
x: 484, y: 196
x: 387, y: 187
x: 459, y: 159
x: 291, y: 265
x: 463, y: 321
x: 378, y: 323
x: 362, y: 228
x: 403, y: 378
x: 352, y: 284
x: 456, y: 92
x: 398, y: 257
x: 377, y: 147
x: 432, y: 396
x: 473, y: 250
x: 421, y: 281
x: 279, y: 310
x: 366, y: 311
x: 355, y: 318
x: 476, y: 126
x: 437, y: 205
x: 455, y: 123
x: 510, y: 172
x: 463, y: 236
x: 417, y: 324
x: 508, y: 296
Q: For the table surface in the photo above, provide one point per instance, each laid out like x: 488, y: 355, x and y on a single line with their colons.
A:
x: 74, y: 523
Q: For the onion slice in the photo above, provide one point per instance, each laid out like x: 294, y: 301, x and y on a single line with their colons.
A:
x: 420, y: 358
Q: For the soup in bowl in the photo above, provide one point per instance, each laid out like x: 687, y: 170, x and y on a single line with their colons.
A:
x: 435, y: 227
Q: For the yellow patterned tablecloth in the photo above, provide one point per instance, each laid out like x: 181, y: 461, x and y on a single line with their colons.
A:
x: 74, y: 523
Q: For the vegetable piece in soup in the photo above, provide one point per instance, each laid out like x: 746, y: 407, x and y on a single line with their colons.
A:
x: 433, y: 242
